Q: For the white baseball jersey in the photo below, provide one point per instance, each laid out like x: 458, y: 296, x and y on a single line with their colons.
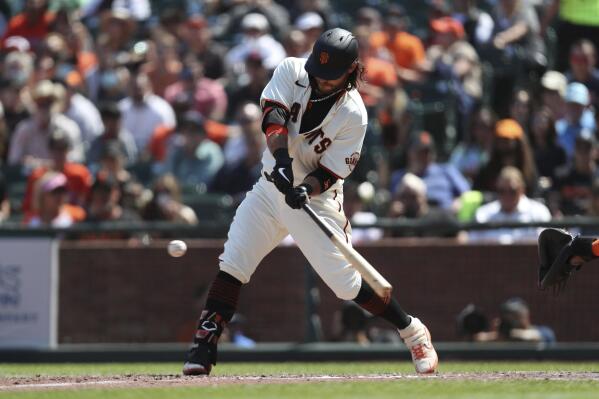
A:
x: 335, y: 143
x: 263, y: 219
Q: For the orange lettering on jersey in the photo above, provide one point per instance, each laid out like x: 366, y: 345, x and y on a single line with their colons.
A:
x: 324, y: 57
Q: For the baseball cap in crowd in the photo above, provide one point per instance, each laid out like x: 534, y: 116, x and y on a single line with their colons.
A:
x: 556, y: 81
x: 332, y: 55
x: 16, y: 43
x: 309, y: 20
x: 448, y: 25
x: 55, y: 182
x: 509, y: 129
x: 578, y: 93
x: 109, y: 109
x: 255, y: 21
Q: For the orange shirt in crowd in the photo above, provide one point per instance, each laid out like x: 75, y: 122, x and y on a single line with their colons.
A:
x: 34, y: 31
x: 215, y: 131
x: 75, y: 213
x: 79, y: 181
x: 406, y: 48
x: 379, y: 73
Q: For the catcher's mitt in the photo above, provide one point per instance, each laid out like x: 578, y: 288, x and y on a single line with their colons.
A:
x: 556, y: 249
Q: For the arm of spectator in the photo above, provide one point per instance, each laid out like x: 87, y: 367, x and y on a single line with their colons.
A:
x: 510, y: 35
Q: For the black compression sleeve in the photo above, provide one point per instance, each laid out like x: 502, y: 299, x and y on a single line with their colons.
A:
x: 324, y: 177
x: 274, y: 114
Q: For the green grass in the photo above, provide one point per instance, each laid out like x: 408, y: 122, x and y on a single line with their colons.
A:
x: 409, y: 388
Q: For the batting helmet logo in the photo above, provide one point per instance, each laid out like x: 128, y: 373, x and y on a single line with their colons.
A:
x: 324, y: 57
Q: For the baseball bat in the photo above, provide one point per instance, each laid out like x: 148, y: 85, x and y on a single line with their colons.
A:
x: 378, y: 283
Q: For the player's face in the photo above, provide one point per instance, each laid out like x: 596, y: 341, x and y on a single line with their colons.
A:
x: 328, y: 86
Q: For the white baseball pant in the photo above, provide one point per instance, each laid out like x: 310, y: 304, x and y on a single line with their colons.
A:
x: 263, y: 219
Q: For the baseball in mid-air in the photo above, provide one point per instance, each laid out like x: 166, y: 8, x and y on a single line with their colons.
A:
x: 177, y: 248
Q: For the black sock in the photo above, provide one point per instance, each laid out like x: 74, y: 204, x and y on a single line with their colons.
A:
x: 220, y: 307
x: 390, y: 311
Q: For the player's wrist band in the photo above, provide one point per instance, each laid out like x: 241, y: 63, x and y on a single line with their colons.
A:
x: 275, y: 129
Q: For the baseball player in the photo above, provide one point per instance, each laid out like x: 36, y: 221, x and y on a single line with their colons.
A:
x: 314, y: 121
x: 561, y: 253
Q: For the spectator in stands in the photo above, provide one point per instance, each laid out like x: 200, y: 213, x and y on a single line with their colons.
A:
x: 477, y: 23
x: 515, y: 324
x: 295, y: 43
x: 115, y: 38
x: 574, y: 182
x: 410, y: 202
x: 312, y: 25
x: 380, y: 76
x: 444, y: 183
x: 553, y: 92
x: 78, y: 177
x: 11, y: 97
x: 452, y: 59
x: 593, y: 211
x: 209, y: 97
x: 113, y: 132
x: 255, y: 39
x: 143, y: 111
x: 406, y: 49
x: 250, y: 84
x: 163, y: 65
x: 517, y: 49
x: 18, y: 67
x: 243, y: 155
x: 549, y: 155
x: 576, y: 20
x: 473, y: 152
x: 194, y: 159
x: 521, y: 109
x: 510, y: 148
x: 81, y: 110
x: 50, y: 207
x: 104, y: 202
x: 578, y: 117
x: 197, y: 36
x: 33, y: 23
x: 512, y: 205
x: 166, y: 203
x: 583, y: 67
x: 29, y: 144
x: 112, y: 164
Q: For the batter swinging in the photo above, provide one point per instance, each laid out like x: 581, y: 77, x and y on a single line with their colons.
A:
x: 315, y: 122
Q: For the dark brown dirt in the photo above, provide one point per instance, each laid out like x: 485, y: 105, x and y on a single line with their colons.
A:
x: 144, y: 381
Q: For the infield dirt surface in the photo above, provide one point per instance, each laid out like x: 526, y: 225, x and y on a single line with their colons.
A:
x: 174, y: 380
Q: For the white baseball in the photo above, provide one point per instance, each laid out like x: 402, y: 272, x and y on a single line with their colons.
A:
x: 177, y: 248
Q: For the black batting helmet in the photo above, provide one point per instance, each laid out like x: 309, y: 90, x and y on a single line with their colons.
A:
x: 333, y: 53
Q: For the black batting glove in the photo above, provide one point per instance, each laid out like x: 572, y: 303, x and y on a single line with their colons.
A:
x: 282, y: 173
x: 296, y: 197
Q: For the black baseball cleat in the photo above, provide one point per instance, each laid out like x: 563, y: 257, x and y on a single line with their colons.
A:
x: 200, y: 359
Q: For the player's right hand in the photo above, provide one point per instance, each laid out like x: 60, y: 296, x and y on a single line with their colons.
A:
x: 282, y: 173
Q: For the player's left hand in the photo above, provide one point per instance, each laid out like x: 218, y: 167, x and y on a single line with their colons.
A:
x: 297, y: 196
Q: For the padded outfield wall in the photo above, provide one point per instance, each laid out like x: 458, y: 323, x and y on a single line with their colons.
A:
x: 114, y: 291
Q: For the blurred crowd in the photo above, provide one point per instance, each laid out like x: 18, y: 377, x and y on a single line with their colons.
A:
x: 114, y: 110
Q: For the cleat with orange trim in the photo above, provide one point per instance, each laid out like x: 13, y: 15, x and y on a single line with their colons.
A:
x: 418, y: 340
